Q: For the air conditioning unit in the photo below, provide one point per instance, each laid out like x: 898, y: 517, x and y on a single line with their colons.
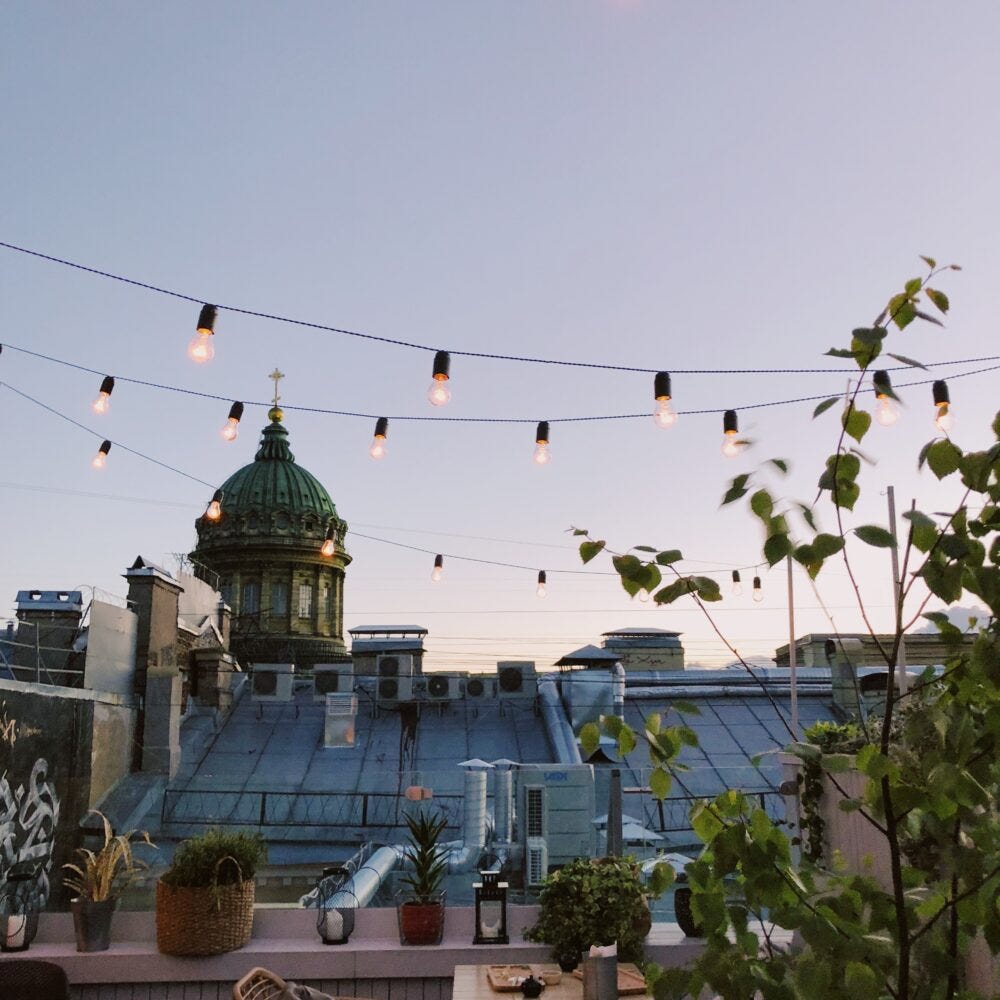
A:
x: 338, y: 728
x: 394, y: 665
x: 272, y: 681
x: 516, y: 679
x: 536, y: 861
x: 332, y: 678
x: 478, y: 687
x: 443, y: 687
x: 390, y: 690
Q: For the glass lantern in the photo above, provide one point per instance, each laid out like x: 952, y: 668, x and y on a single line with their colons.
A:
x: 491, y: 910
x: 19, y: 902
x: 335, y: 906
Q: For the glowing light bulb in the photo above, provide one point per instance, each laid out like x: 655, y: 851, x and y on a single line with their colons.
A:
x: 730, y: 446
x: 737, y: 583
x: 542, y: 455
x: 214, y: 510
x: 232, y: 427
x: 643, y: 596
x: 101, y: 458
x: 438, y: 569
x: 944, y: 418
x: 439, y: 394
x: 665, y: 416
x: 328, y: 547
x: 103, y: 402
x: 201, y: 348
x: 886, y: 411
x: 540, y: 589
x: 378, y: 447
x: 758, y: 593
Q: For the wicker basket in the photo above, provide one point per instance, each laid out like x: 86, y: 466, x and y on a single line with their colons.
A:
x: 203, y: 921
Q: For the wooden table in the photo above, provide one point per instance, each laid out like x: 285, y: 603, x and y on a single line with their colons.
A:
x: 471, y: 984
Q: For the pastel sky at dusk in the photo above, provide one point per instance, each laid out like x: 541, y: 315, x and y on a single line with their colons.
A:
x: 654, y: 185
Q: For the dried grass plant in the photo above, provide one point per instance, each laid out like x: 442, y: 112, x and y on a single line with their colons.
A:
x: 107, y: 873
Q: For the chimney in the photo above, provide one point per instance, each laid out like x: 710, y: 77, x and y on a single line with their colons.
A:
x: 48, y: 622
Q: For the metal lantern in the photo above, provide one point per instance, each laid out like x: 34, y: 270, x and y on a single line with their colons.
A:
x: 335, y: 906
x: 491, y: 910
x: 19, y: 903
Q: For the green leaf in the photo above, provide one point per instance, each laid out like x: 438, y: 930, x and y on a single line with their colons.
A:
x: 846, y: 494
x: 672, y: 591
x: 927, y: 317
x: 644, y: 548
x: 929, y: 261
x: 827, y: 545
x: 776, y: 548
x: 872, y: 534
x: 762, y: 504
x: 943, y: 580
x: 707, y: 588
x: 866, y: 344
x: 855, y: 422
x: 668, y: 557
x: 824, y: 406
x: 580, y: 531
x: 661, y: 878
x: 737, y: 488
x: 685, y: 707
x: 860, y: 981
x: 590, y: 738
x: 659, y: 783
x: 923, y: 530
x: 913, y: 286
x: 908, y: 361
x: 839, y: 352
x: 905, y: 315
x: 944, y: 458
x: 938, y: 298
x: 807, y: 515
x: 781, y: 464
x: 626, y: 741
x: 705, y: 823
x: 590, y: 549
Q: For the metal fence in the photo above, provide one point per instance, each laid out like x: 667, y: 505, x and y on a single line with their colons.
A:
x: 673, y: 815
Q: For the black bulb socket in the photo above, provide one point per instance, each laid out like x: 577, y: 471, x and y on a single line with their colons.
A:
x: 940, y: 390
x: 661, y: 385
x: 730, y: 423
x: 381, y: 427
x: 442, y: 364
x: 542, y: 434
x: 206, y: 319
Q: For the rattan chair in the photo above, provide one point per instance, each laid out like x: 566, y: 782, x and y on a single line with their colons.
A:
x: 261, y: 984
x: 27, y: 979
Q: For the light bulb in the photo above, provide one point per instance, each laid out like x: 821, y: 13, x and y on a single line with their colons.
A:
x: 737, y: 583
x: 944, y: 418
x: 201, y: 348
x: 643, y: 595
x: 232, y: 429
x: 730, y: 445
x: 439, y: 394
x: 540, y: 589
x: 665, y: 416
x: 542, y: 455
x: 328, y: 547
x: 103, y: 402
x: 886, y: 412
x: 438, y: 569
x: 758, y: 593
x: 101, y: 458
x: 378, y: 447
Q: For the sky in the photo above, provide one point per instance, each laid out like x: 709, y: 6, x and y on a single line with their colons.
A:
x: 664, y: 186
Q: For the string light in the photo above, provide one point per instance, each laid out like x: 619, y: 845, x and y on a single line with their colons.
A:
x: 542, y: 456
x: 329, y: 546
x: 886, y: 412
x: 731, y: 445
x: 542, y: 579
x: 643, y: 595
x: 232, y: 428
x: 758, y: 593
x: 737, y: 583
x: 438, y: 568
x: 665, y: 415
x: 214, y: 510
x: 439, y: 394
x: 103, y: 402
x: 101, y: 458
x: 201, y: 348
x: 944, y: 418
x: 378, y: 448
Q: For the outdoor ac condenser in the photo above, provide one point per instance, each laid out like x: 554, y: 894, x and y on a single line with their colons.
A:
x: 443, y: 687
x: 332, y: 678
x: 272, y: 681
x: 536, y: 861
x: 391, y: 690
x: 516, y: 679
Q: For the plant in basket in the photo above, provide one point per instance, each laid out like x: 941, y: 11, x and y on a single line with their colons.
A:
x: 421, y: 905
x: 204, y: 901
x: 98, y: 879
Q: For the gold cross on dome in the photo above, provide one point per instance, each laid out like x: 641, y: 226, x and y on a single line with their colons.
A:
x: 277, y: 376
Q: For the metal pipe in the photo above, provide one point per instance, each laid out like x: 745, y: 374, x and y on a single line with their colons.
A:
x: 557, y: 726
x: 503, y: 803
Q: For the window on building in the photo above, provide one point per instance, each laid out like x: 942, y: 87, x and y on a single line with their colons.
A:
x: 226, y: 591
x: 251, y: 597
x: 305, y: 600
x: 279, y: 598
x: 327, y: 602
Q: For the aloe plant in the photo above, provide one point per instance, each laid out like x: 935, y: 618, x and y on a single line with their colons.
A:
x: 429, y: 865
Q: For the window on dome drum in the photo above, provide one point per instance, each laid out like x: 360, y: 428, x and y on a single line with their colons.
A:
x: 326, y: 600
x: 309, y: 526
x: 281, y: 522
x: 279, y: 598
x: 226, y: 591
x: 305, y: 600
x: 251, y: 597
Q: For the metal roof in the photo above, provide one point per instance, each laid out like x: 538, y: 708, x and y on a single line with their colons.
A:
x: 588, y: 656
x: 640, y: 632
x: 388, y: 630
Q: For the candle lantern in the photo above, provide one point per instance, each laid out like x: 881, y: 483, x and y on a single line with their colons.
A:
x: 19, y: 902
x: 491, y: 910
x: 335, y: 906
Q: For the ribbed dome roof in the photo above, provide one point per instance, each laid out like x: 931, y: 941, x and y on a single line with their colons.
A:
x: 273, y: 481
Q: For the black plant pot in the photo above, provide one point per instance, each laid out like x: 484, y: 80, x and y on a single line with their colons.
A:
x: 682, y: 910
x: 568, y: 961
x: 92, y: 923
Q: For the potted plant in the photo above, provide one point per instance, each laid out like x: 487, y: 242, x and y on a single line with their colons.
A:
x: 98, y: 879
x: 593, y: 902
x: 204, y: 902
x: 421, y: 906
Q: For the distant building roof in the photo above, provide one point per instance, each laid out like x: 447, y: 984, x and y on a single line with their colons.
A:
x: 387, y: 630
x: 50, y: 600
x: 588, y: 656
x: 639, y: 633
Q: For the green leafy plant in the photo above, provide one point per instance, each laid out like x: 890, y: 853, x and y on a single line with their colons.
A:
x: 105, y: 874
x: 930, y: 763
x: 216, y: 858
x: 429, y: 866
x: 596, y: 901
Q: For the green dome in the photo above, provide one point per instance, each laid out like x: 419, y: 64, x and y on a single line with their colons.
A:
x: 274, y: 482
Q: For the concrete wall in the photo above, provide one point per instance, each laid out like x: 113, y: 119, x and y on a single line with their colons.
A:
x: 111, y: 646
x: 111, y: 753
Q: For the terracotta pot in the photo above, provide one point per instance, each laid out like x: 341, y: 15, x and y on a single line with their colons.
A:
x: 421, y: 923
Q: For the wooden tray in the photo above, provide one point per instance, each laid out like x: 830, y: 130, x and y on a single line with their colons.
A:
x: 499, y: 977
x: 630, y: 981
